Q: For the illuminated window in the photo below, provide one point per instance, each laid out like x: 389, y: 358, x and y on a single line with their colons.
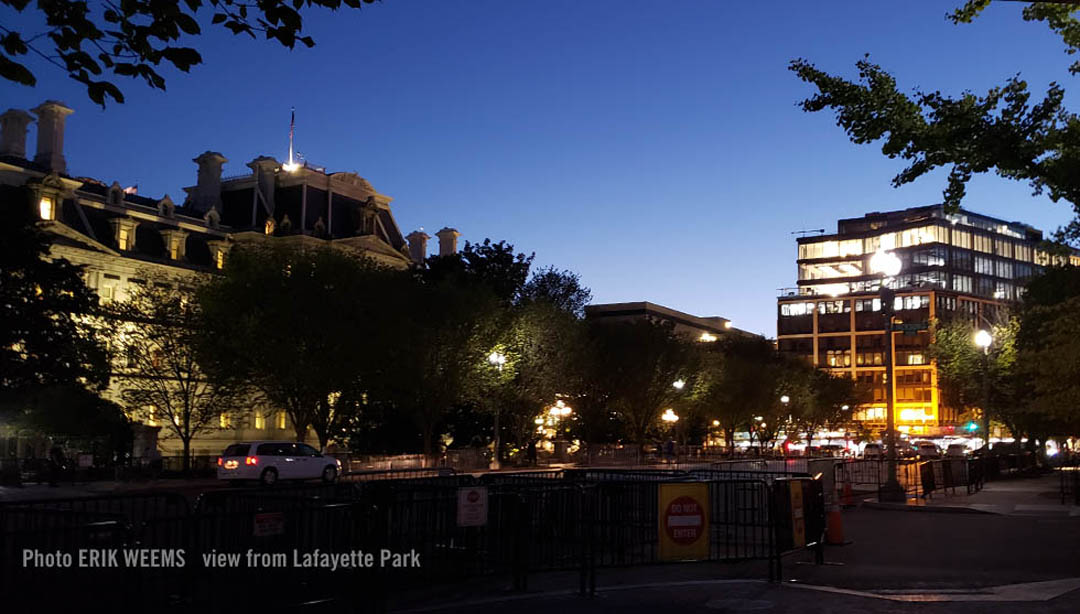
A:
x: 224, y: 421
x: 174, y: 249
x: 122, y: 236
x: 47, y: 209
x: 107, y: 293
x: 260, y: 420
x: 219, y: 259
x: 151, y: 417
x: 281, y: 424
x: 269, y: 228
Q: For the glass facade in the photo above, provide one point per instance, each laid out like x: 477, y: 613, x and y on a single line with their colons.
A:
x: 964, y: 265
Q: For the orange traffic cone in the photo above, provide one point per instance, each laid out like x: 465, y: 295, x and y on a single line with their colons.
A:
x: 834, y: 526
x: 848, y: 499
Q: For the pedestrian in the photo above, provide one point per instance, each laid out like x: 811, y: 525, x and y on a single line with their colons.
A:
x: 56, y: 461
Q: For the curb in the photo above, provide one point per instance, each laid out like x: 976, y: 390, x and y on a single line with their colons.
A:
x: 933, y: 509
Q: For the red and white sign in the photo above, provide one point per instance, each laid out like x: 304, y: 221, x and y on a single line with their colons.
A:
x: 269, y: 523
x: 472, y: 510
x: 684, y: 520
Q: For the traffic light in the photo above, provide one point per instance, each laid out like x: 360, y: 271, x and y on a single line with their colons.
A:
x: 972, y: 426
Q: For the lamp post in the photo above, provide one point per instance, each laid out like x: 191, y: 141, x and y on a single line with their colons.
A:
x: 984, y: 340
x: 888, y: 265
x: 497, y: 359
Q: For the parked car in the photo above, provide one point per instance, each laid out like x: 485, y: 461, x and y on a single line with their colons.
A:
x: 271, y: 461
x: 873, y: 451
x: 956, y: 450
x: 927, y: 450
x: 831, y: 450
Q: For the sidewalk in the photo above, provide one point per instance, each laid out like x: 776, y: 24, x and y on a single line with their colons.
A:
x: 1015, y: 497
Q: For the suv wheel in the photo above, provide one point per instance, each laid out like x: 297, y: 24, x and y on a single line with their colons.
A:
x: 269, y: 477
x: 329, y: 474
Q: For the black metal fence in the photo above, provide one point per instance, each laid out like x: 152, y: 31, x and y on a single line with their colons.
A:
x: 238, y: 546
x: 923, y: 478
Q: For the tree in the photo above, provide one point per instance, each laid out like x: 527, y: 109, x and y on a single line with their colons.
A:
x: 159, y: 334
x: 443, y: 334
x: 641, y: 361
x: 47, y: 331
x: 828, y: 401
x: 494, y: 265
x: 969, y: 379
x: 560, y: 289
x: 301, y: 324
x: 134, y: 37
x: 1003, y: 131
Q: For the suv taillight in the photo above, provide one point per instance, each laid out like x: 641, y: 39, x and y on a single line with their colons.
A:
x: 251, y: 460
x: 220, y: 461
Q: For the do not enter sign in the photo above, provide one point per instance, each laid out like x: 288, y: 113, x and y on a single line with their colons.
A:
x: 684, y: 522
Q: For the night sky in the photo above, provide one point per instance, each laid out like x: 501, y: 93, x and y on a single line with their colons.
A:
x: 655, y: 148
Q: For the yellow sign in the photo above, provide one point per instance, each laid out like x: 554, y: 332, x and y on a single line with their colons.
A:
x: 798, y: 521
x: 684, y: 522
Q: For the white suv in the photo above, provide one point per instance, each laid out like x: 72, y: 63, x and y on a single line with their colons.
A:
x: 270, y: 461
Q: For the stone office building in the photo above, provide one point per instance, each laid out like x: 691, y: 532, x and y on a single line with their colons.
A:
x: 121, y: 237
x: 963, y: 264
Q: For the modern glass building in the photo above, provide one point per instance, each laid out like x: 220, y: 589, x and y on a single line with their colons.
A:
x: 958, y: 263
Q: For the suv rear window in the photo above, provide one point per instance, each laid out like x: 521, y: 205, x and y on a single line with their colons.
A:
x: 237, y: 449
x: 275, y: 449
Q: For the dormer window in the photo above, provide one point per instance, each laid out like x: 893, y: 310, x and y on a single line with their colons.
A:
x: 124, y: 232
x: 47, y: 208
x: 219, y: 261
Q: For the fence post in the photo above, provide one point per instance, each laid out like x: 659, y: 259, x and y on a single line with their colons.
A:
x: 522, y: 535
x: 587, y: 516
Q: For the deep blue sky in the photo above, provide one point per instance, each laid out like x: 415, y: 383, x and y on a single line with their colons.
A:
x: 655, y: 148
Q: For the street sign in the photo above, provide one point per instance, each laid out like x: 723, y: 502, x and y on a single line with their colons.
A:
x: 271, y: 523
x: 472, y: 508
x: 684, y: 522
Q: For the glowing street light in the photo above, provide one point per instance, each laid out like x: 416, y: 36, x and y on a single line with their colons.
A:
x: 497, y: 359
x: 983, y: 339
x: 885, y: 263
x: 669, y: 416
x: 678, y: 384
x: 785, y: 399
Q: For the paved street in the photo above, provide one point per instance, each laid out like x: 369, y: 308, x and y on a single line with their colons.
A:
x: 897, y: 561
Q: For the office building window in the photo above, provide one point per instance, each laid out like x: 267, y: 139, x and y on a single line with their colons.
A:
x: 1003, y: 247
x: 796, y: 309
x: 961, y: 283
x: 1004, y: 269
x: 961, y: 238
x: 983, y: 244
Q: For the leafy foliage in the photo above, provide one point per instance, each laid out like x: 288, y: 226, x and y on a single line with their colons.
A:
x: 1003, y: 131
x: 46, y: 311
x: 158, y: 332
x: 298, y: 323
x: 93, y: 44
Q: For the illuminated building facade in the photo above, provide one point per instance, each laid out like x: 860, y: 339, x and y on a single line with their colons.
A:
x: 122, y: 238
x: 959, y: 264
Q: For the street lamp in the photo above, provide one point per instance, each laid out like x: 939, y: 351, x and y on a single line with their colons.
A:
x: 984, y: 340
x: 497, y: 359
x: 678, y: 384
x: 888, y: 265
x: 785, y: 399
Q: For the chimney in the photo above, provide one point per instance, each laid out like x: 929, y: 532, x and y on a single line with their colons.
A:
x: 264, y: 169
x: 207, y: 192
x: 417, y: 245
x: 52, y: 115
x: 14, y: 123
x: 448, y: 241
